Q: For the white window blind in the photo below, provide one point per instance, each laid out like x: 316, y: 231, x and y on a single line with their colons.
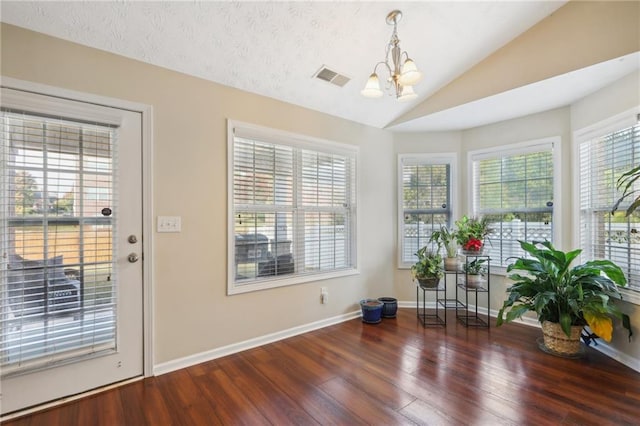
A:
x: 57, y: 288
x: 293, y: 208
x: 513, y: 189
x: 603, y: 235
x: 425, y: 198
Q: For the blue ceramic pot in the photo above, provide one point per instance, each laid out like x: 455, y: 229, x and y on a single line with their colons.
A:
x: 371, y: 311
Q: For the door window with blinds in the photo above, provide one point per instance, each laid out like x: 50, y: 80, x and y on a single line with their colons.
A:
x: 425, y: 195
x: 293, y: 208
x: 514, y: 188
x: 603, y: 159
x: 57, y: 289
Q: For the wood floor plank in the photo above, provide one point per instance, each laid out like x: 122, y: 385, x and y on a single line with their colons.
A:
x: 378, y: 388
x: 362, y: 405
x: 141, y: 403
x: 421, y: 413
x: 395, y: 372
x: 231, y: 406
x: 182, y: 395
x: 315, y: 372
x: 285, y: 374
x: 274, y: 404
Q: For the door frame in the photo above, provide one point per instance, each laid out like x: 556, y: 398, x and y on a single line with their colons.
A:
x: 146, y: 112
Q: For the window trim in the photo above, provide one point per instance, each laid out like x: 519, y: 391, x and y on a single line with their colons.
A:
x: 449, y: 158
x: 281, y: 137
x: 524, y: 147
x: 616, y: 122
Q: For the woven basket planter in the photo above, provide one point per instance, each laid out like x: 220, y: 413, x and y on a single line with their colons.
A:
x: 557, y: 341
x: 428, y: 282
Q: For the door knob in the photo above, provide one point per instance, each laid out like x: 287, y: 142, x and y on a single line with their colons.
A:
x: 132, y: 258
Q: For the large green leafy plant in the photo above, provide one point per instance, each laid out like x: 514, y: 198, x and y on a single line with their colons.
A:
x: 558, y: 293
x: 626, y: 184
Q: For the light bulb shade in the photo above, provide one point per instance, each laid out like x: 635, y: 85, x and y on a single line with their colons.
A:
x: 406, y: 94
x: 409, y: 75
x: 372, y: 88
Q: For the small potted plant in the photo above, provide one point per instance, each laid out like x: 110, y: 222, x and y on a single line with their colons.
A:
x: 428, y: 269
x: 475, y: 271
x: 564, y: 298
x: 471, y: 233
x: 447, y: 238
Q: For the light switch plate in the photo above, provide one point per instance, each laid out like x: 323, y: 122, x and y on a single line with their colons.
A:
x: 169, y: 223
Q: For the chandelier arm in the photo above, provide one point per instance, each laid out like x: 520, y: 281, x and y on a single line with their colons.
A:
x: 386, y: 65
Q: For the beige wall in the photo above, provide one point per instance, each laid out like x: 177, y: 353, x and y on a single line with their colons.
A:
x: 192, y: 312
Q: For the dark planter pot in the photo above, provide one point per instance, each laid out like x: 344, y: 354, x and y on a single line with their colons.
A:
x: 428, y: 282
x: 390, y: 307
x: 371, y: 311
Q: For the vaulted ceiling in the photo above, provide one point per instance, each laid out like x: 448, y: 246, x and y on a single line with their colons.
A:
x: 481, y: 61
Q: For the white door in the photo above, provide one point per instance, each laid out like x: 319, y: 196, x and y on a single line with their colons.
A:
x: 71, y: 311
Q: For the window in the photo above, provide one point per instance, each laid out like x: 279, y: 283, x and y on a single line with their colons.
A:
x: 514, y: 188
x: 604, y: 154
x: 56, y: 293
x: 424, y: 199
x: 293, y: 208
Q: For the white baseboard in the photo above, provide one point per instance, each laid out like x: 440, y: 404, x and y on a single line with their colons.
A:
x: 621, y: 357
x: 176, y: 364
x: 190, y: 360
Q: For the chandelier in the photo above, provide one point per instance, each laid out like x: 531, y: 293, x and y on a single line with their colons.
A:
x: 402, y: 75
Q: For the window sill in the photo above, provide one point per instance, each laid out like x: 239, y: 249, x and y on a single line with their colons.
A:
x: 236, y: 288
x: 631, y: 295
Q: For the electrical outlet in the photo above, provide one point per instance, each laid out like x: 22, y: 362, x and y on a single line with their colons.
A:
x: 169, y: 223
x: 324, y: 295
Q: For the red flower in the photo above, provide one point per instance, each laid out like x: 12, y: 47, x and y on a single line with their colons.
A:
x: 473, y: 245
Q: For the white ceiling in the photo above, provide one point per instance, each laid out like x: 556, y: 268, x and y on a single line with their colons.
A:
x: 544, y: 95
x: 274, y: 48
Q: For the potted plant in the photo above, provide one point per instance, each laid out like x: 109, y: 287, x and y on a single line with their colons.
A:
x: 565, y: 299
x: 428, y: 269
x: 475, y: 271
x: 471, y: 233
x: 447, y: 239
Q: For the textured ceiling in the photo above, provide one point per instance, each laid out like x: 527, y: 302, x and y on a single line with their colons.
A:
x: 274, y: 48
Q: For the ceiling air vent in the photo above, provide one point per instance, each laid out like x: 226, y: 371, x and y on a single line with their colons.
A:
x: 331, y: 76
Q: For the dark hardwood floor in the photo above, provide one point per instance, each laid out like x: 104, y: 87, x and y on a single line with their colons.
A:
x: 396, y: 372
